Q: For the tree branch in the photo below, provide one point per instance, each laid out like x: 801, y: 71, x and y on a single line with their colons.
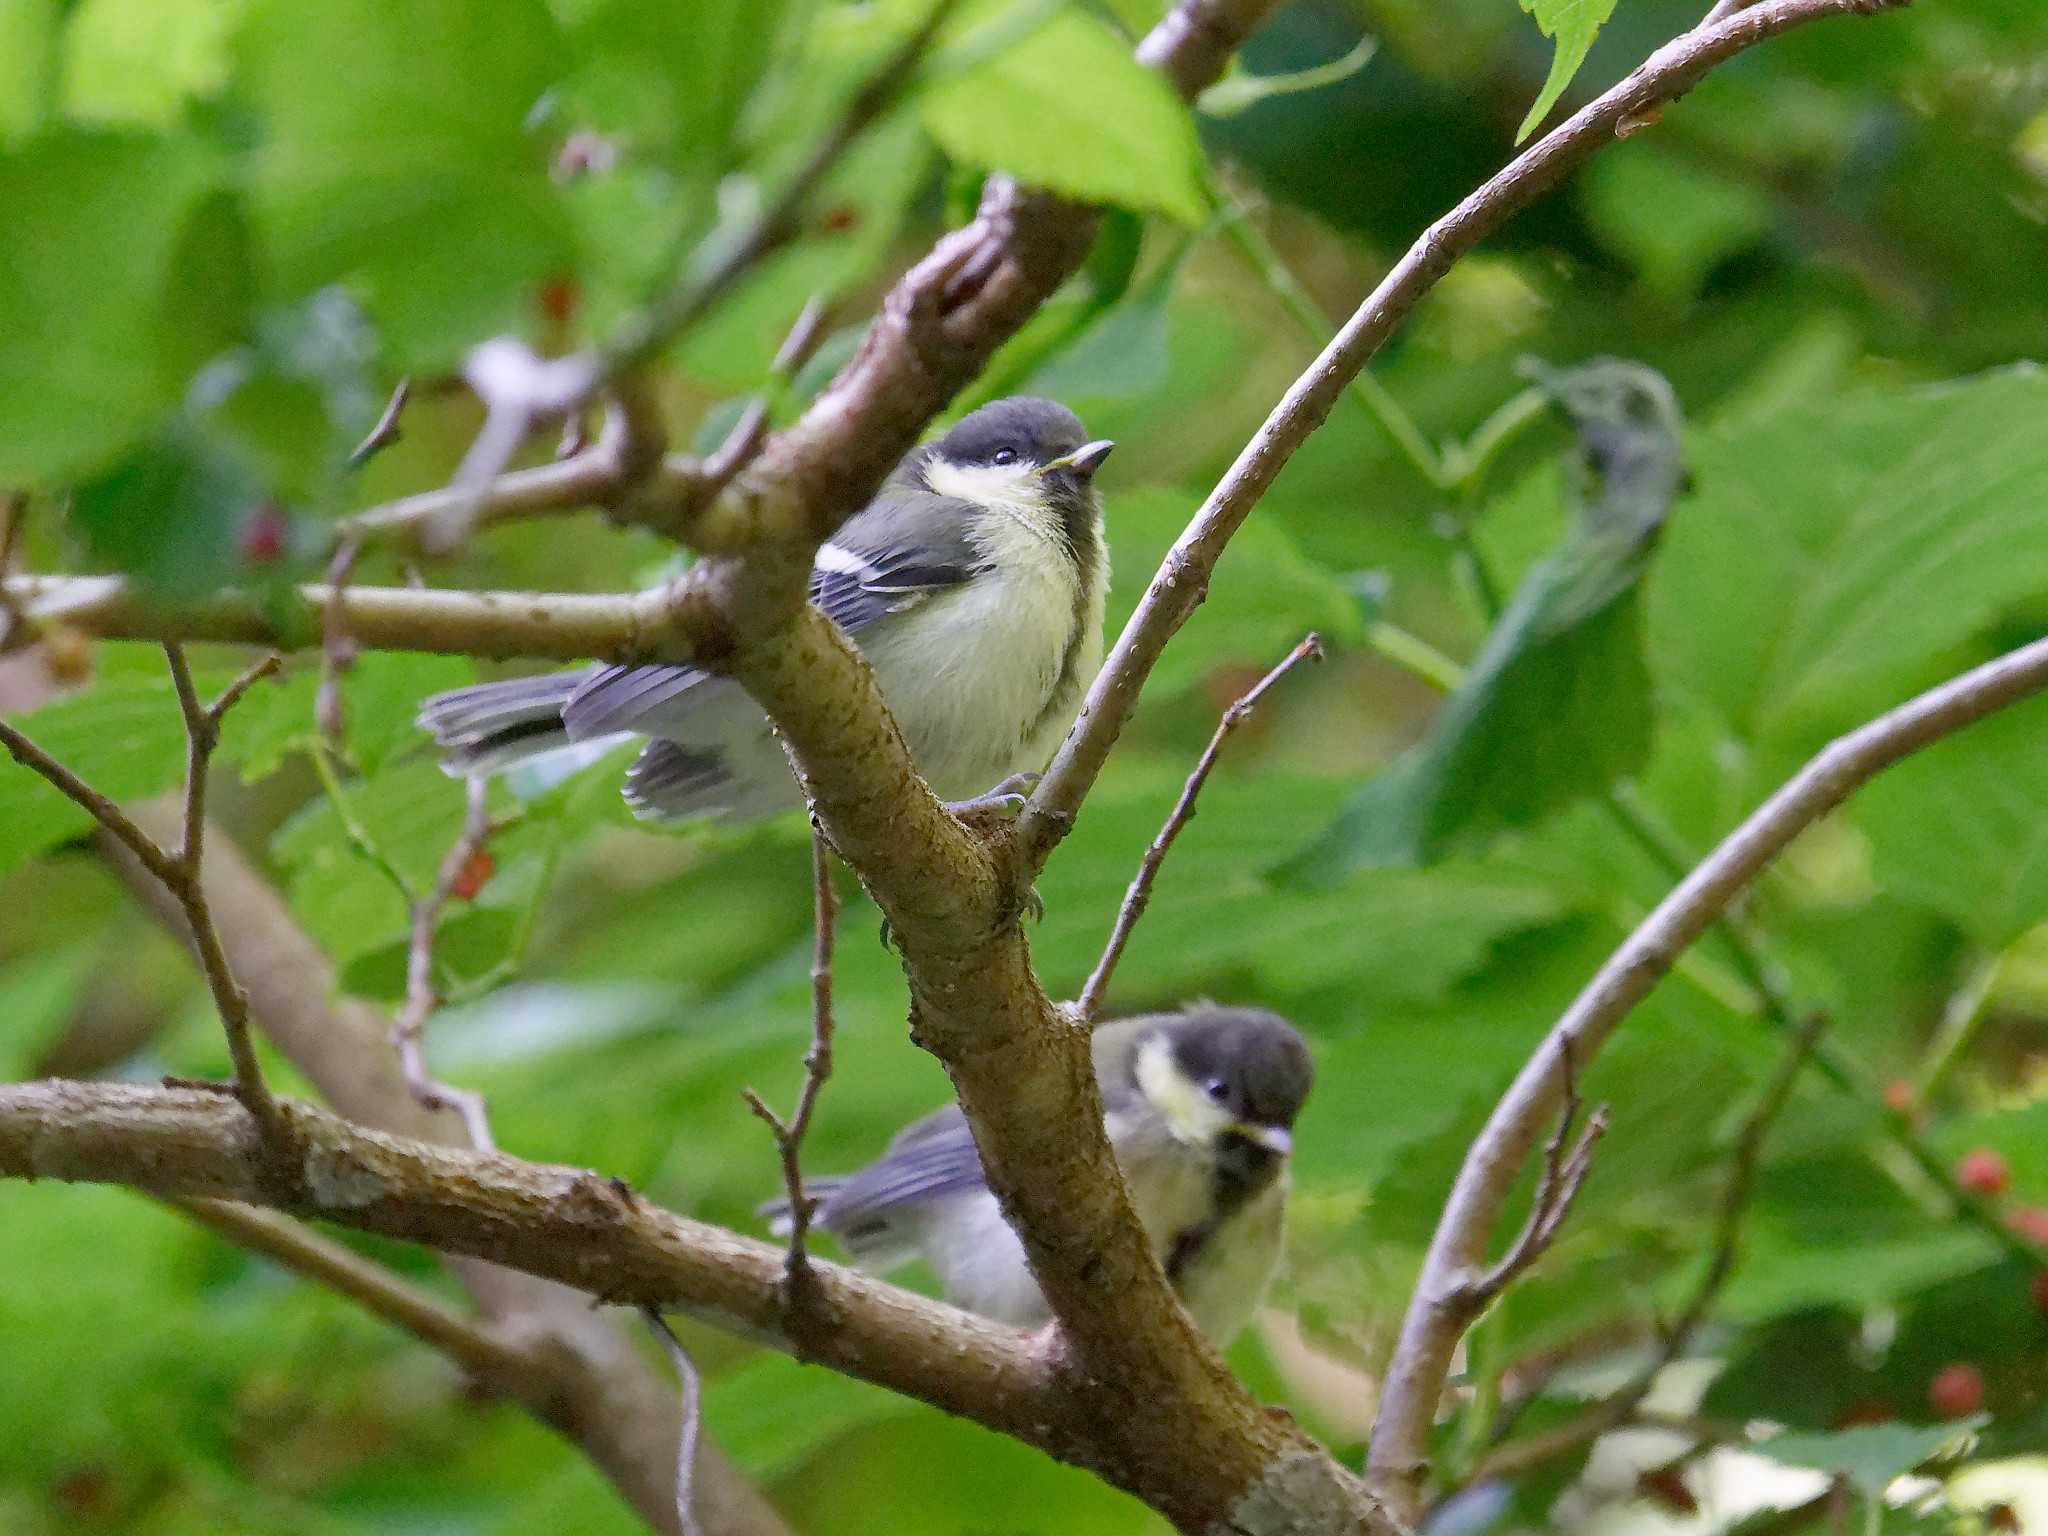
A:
x: 1430, y: 1331
x: 1140, y: 892
x: 1183, y: 577
x: 562, y: 1224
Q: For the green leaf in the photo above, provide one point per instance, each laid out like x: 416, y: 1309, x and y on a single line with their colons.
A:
x: 1067, y: 107
x: 1869, y: 1455
x: 395, y: 156
x: 1837, y: 551
x: 1265, y: 596
x: 124, y: 737
x: 773, y: 1413
x: 1963, y: 826
x: 1213, y: 917
x: 28, y: 64
x: 169, y: 513
x: 139, y: 61
x: 1702, y: 218
x: 118, y: 277
x: 1557, y: 704
x: 1572, y: 25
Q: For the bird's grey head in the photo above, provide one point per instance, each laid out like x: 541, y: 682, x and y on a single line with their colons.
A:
x: 1248, y: 1062
x: 1020, y: 448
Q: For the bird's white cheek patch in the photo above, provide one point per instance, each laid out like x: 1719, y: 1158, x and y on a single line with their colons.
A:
x: 1189, y: 1112
x: 1013, y: 486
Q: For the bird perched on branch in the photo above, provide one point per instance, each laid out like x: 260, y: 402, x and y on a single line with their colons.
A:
x: 973, y: 583
x: 1200, y: 1109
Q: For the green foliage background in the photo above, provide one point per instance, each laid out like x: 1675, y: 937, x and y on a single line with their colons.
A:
x: 229, y: 225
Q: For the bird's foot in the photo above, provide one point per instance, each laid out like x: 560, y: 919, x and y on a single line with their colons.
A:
x: 1005, y: 800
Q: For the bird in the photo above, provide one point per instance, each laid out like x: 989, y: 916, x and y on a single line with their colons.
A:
x: 973, y: 583
x: 1199, y: 1106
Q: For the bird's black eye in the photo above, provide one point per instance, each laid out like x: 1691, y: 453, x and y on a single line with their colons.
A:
x: 1217, y: 1089
x: 1005, y: 456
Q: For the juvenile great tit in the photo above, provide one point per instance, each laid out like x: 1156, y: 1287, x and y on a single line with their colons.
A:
x: 973, y: 583
x: 1200, y: 1108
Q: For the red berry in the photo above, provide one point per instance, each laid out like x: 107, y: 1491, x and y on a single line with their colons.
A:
x: 2038, y: 1289
x: 2030, y: 1221
x: 1898, y: 1096
x: 559, y: 296
x: 265, y: 535
x: 474, y: 875
x: 1957, y: 1390
x: 1983, y: 1171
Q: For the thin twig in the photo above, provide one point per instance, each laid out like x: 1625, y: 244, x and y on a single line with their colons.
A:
x: 789, y: 1135
x: 693, y: 1416
x: 338, y: 648
x: 1140, y: 892
x: 1564, y: 1174
x: 385, y: 432
x: 1743, y: 1160
x: 408, y: 1030
x: 202, y: 735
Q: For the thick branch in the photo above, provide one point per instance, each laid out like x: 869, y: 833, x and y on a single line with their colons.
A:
x: 1430, y: 1331
x: 563, y: 1224
x: 1183, y: 578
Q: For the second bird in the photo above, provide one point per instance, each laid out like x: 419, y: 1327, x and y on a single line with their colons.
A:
x: 973, y: 583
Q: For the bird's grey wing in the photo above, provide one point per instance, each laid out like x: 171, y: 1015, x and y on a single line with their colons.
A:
x: 930, y: 1159
x: 875, y: 565
x: 896, y: 552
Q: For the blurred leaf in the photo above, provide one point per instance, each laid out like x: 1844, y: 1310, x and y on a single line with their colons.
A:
x: 1839, y: 546
x: 169, y: 513
x: 1124, y: 352
x: 1557, y: 704
x: 395, y: 156
x: 28, y: 64
x: 124, y: 737
x: 118, y: 276
x: 1963, y: 826
x: 37, y: 995
x: 1869, y: 1456
x: 773, y: 1413
x: 1067, y: 107
x: 1701, y: 218
x: 137, y: 61
x: 1572, y: 25
x: 1264, y: 597
x: 1802, y: 1369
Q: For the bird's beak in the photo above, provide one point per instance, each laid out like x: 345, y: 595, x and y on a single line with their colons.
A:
x: 1274, y: 1138
x: 1083, y: 461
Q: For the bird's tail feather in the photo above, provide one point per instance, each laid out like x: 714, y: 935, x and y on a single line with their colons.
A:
x: 494, y: 725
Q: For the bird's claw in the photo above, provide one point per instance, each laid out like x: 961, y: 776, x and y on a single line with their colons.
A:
x: 1006, y: 799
